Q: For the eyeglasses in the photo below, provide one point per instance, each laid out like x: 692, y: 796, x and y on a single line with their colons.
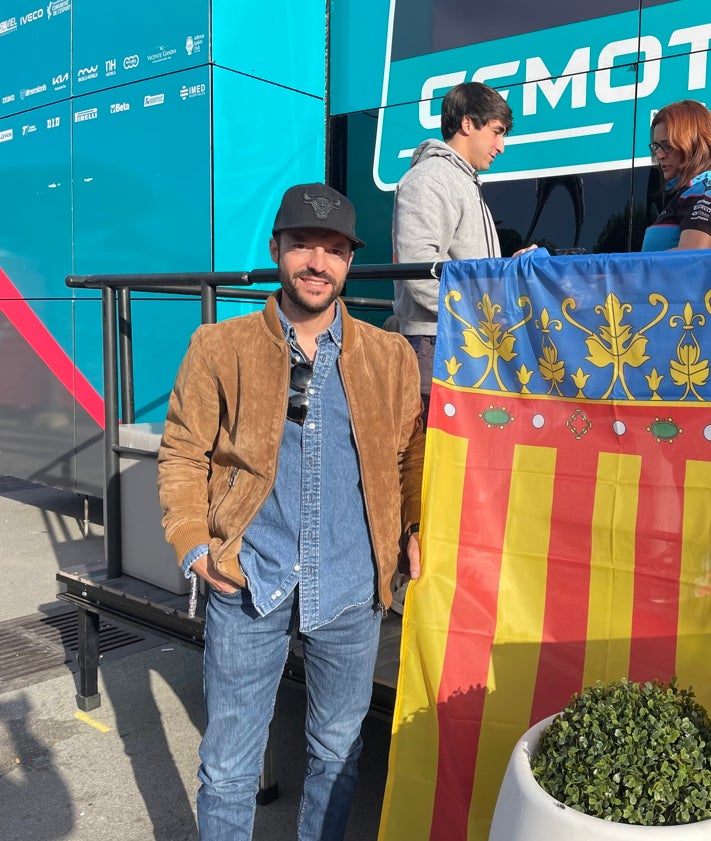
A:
x: 301, y: 376
x: 664, y: 145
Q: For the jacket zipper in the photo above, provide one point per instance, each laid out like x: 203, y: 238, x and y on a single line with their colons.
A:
x: 380, y: 606
x: 230, y: 482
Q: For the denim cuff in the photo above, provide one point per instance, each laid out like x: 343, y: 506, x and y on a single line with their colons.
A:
x: 192, y: 556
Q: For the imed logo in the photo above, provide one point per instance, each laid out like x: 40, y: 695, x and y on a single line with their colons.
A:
x: 194, y: 90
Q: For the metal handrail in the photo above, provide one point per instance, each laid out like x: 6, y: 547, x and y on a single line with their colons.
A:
x: 184, y: 280
x: 116, y: 292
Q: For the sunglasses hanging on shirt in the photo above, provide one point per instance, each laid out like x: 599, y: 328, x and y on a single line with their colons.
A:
x: 302, y: 375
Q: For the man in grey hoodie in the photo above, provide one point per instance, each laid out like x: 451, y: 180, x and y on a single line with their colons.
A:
x: 440, y: 213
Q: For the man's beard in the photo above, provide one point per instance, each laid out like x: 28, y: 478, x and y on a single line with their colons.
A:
x: 303, y: 301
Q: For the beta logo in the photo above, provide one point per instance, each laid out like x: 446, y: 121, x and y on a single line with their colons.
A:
x: 119, y: 107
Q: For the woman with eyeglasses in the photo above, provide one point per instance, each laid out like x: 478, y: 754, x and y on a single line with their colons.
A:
x: 681, y: 148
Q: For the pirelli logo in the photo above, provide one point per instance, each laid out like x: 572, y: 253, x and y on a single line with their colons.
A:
x: 86, y: 115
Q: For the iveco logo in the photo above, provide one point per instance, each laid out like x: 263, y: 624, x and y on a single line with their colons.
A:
x: 30, y: 16
x: 62, y: 79
x: 130, y: 62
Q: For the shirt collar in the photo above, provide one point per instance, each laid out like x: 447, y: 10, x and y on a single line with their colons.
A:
x: 334, y: 331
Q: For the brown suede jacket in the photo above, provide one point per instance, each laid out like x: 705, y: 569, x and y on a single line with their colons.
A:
x: 218, y: 458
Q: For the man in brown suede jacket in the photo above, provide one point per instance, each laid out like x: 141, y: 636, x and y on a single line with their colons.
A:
x: 289, y: 471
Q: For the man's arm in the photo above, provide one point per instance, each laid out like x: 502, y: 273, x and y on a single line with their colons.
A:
x: 424, y: 222
x: 191, y: 428
x: 412, y: 454
x: 205, y: 568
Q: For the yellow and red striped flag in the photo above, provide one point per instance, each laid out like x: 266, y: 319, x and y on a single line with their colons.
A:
x: 566, y: 529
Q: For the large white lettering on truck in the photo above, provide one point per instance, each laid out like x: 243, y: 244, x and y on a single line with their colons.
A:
x: 570, y: 88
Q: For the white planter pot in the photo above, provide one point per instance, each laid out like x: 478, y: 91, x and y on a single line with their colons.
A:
x: 525, y: 812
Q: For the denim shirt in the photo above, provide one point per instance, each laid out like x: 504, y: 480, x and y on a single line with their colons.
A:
x: 312, y: 531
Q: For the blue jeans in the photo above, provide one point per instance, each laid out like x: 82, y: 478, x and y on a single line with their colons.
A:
x: 244, y: 659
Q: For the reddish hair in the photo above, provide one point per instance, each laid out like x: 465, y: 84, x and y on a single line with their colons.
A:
x: 688, y: 125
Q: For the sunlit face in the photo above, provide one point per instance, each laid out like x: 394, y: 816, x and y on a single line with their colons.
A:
x: 484, y: 144
x: 313, y: 265
x: 668, y: 159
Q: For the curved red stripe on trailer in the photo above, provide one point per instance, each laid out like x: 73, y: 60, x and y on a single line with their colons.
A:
x: 48, y: 349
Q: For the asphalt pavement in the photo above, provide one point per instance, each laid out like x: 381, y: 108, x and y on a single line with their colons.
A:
x: 126, y: 771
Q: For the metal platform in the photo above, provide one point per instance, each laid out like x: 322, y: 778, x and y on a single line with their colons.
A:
x: 139, y: 604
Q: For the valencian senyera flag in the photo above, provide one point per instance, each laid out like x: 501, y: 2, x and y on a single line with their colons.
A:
x: 566, y: 528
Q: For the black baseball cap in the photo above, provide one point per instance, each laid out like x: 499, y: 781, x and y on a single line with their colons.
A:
x: 317, y: 206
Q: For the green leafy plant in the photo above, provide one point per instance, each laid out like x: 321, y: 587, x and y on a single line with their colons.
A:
x: 637, y: 753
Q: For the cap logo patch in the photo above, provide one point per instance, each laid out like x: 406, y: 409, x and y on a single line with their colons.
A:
x: 321, y: 205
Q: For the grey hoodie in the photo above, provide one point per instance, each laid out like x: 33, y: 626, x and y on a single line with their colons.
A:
x: 439, y: 214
